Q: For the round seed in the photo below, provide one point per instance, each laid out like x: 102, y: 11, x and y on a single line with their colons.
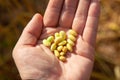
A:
x: 62, y: 58
x: 72, y: 32
x: 64, y: 49
x: 53, y: 47
x: 59, y: 48
x: 70, y: 42
x: 50, y: 39
x: 71, y: 37
x: 69, y: 47
x: 56, y: 53
x: 46, y: 43
x: 62, y: 43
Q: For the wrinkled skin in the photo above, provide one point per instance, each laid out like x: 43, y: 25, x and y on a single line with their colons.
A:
x: 35, y: 61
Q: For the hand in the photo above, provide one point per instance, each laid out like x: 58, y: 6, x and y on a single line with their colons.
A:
x: 35, y: 61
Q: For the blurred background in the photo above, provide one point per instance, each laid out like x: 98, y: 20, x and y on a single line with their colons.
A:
x: 15, y: 14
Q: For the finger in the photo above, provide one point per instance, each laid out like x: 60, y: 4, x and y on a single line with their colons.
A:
x: 52, y: 13
x: 68, y: 13
x: 81, y: 16
x: 32, y: 31
x: 90, y: 31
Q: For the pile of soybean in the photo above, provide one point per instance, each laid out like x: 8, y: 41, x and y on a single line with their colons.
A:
x: 60, y: 43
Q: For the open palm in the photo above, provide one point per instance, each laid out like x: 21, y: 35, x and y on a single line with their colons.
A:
x: 35, y: 61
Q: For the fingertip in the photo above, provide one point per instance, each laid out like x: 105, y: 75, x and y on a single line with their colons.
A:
x: 52, y: 13
x: 90, y: 30
x: 35, y: 23
x: 37, y: 16
x: 32, y: 31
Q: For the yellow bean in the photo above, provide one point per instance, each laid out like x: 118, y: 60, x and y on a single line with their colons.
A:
x: 62, y: 58
x: 64, y: 49
x: 59, y: 48
x: 50, y: 39
x: 62, y: 53
x: 62, y: 43
x: 46, y: 43
x: 57, y: 35
x: 56, y: 53
x: 71, y: 37
x: 70, y: 42
x: 69, y: 47
x: 58, y: 39
x: 62, y: 34
x: 53, y: 47
x: 72, y: 32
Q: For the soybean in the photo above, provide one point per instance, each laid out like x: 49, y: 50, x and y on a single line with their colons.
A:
x: 58, y: 39
x: 50, y: 39
x: 59, y: 48
x: 62, y: 34
x: 69, y: 47
x: 62, y: 43
x: 57, y: 35
x: 71, y: 37
x: 62, y: 53
x: 62, y: 58
x: 56, y: 53
x: 70, y: 42
x: 72, y: 32
x: 64, y: 49
x: 53, y: 47
x: 46, y: 43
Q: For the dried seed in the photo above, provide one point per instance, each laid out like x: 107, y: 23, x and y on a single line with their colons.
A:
x: 62, y: 34
x: 62, y: 58
x: 59, y: 48
x: 62, y: 53
x: 58, y: 39
x: 69, y: 47
x: 50, y: 39
x: 72, y: 32
x: 57, y: 35
x: 62, y: 43
x: 53, y: 47
x: 64, y: 49
x: 56, y: 53
x: 70, y: 42
x: 46, y: 43
x: 71, y: 37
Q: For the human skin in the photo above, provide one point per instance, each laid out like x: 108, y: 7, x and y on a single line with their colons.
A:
x: 36, y: 62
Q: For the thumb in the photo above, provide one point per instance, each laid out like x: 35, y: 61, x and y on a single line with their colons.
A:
x: 32, y: 31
